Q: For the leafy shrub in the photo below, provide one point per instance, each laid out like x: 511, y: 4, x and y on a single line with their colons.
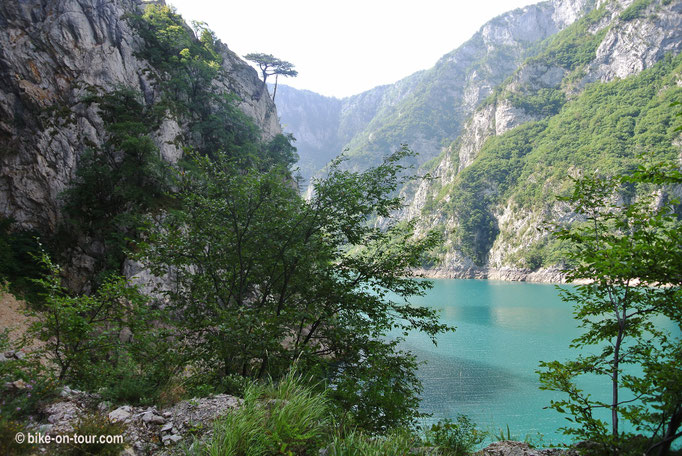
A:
x: 116, y: 182
x: 16, y: 404
x: 544, y: 102
x: 37, y: 385
x: 106, y: 340
x: 377, y: 391
x: 131, y: 385
x: 575, y: 45
x: 18, y: 266
x: 8, y: 444
x: 635, y: 10
x: 457, y: 438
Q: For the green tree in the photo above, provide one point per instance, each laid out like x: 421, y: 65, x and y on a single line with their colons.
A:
x: 104, y: 339
x: 270, y: 65
x: 266, y: 279
x: 116, y: 182
x: 629, y: 248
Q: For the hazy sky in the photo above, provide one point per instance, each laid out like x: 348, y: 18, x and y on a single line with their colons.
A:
x: 341, y: 48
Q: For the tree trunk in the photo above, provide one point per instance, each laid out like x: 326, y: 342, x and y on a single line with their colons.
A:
x: 614, y: 378
x: 669, y: 437
x: 275, y: 91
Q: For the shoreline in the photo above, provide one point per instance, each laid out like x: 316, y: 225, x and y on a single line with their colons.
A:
x: 546, y: 275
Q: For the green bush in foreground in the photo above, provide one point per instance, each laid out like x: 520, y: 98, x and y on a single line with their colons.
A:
x: 108, y: 341
x: 456, y: 438
x: 94, y: 425
x: 354, y: 443
x: 292, y: 418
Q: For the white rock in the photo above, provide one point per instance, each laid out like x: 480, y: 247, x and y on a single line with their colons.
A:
x: 121, y: 413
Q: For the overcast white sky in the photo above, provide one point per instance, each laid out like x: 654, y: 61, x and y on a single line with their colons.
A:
x: 341, y: 48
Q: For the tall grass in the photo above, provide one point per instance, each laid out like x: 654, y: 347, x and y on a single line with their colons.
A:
x: 287, y: 417
x: 355, y: 443
x: 292, y: 418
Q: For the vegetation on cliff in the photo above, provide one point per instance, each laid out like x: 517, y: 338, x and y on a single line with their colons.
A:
x: 606, y: 127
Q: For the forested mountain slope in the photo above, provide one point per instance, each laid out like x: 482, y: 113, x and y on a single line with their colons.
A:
x: 595, y: 97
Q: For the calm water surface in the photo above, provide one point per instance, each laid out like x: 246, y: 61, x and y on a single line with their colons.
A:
x: 486, y: 369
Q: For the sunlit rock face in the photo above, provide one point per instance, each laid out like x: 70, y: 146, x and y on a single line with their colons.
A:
x: 51, y: 54
x: 638, y: 44
x: 626, y: 48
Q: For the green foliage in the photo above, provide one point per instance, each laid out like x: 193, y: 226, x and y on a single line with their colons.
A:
x: 457, y: 438
x: 544, y: 102
x: 126, y: 177
x: 85, y: 338
x: 187, y: 65
x: 34, y: 388
x: 574, y: 46
x: 477, y: 188
x: 37, y: 386
x: 635, y: 10
x: 627, y: 251
x: 8, y: 444
x: 356, y: 443
x: 114, y: 184
x: 379, y: 389
x: 266, y: 278
x: 270, y: 65
x: 275, y: 418
x: 290, y: 417
x: 17, y: 260
x: 280, y: 150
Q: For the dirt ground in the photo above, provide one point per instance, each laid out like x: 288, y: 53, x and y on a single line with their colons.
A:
x: 12, y: 315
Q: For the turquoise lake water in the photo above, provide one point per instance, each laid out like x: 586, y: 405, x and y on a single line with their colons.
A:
x: 486, y: 368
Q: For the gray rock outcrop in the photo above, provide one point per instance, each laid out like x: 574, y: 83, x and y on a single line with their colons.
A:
x: 51, y: 53
x: 147, y: 430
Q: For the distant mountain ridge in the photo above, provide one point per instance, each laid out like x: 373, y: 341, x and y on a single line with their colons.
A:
x: 502, y: 121
x: 426, y: 109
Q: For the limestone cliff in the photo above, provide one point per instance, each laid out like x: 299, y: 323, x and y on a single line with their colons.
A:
x: 619, y: 39
x: 53, y: 52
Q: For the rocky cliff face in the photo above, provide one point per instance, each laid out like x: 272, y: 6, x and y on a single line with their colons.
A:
x: 51, y: 54
x: 625, y: 44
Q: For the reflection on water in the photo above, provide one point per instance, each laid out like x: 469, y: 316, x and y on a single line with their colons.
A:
x: 486, y: 369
